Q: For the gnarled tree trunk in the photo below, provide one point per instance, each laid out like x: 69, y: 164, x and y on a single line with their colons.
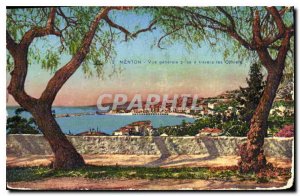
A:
x: 65, y: 154
x: 252, y: 154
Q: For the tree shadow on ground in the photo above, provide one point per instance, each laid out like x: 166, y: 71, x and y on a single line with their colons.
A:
x: 209, y: 144
x: 165, y: 154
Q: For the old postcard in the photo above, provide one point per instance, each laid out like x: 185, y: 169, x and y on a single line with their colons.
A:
x: 150, y: 98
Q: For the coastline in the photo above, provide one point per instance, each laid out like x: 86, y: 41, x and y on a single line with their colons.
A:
x: 150, y: 114
x: 125, y: 114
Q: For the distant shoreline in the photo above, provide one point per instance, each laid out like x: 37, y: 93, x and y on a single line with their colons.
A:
x: 124, y: 114
x: 151, y: 114
x: 66, y: 115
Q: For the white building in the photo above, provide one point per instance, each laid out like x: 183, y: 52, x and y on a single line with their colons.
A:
x: 120, y: 133
x: 211, y: 105
x: 211, y: 112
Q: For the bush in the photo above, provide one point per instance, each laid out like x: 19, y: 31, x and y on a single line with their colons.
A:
x: 286, y: 131
x: 19, y: 125
x: 276, y: 122
x: 232, y: 127
x: 235, y: 128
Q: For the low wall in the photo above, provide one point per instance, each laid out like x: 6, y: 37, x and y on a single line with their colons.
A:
x: 213, y: 146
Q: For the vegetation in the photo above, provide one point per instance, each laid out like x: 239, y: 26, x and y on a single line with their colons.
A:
x: 235, y: 128
x: 264, y: 33
x: 249, y: 96
x: 230, y: 127
x: 19, y: 125
x: 260, y: 33
x: 245, y: 103
x: 289, y: 104
x: 105, y: 172
x: 221, y: 108
x: 86, y: 34
x: 276, y: 122
x: 286, y: 131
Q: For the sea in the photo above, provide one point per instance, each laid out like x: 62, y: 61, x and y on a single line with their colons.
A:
x: 103, y: 123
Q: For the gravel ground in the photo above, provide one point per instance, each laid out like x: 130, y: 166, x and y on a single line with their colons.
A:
x: 143, y: 160
x: 78, y: 183
x: 64, y: 183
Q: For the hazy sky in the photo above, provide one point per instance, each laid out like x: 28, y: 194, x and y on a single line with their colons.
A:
x: 196, y: 78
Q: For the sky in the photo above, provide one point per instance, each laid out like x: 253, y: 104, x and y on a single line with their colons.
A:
x: 150, y: 76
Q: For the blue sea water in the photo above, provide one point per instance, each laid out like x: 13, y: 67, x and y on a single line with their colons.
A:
x: 104, y: 123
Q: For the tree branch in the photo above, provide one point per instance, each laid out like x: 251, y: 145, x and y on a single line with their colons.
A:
x: 228, y: 16
x: 216, y: 25
x: 68, y: 20
x: 284, y: 47
x: 51, y: 18
x: 262, y: 50
x: 116, y: 26
x: 209, y: 19
x: 256, y: 29
x: 283, y: 10
x: 241, y: 40
x: 64, y: 73
x: 277, y: 18
x: 18, y: 75
x: 41, y: 31
x: 279, y: 23
x: 20, y: 53
x: 164, y: 36
x: 232, y: 32
x: 10, y: 44
x: 149, y: 28
x: 125, y: 31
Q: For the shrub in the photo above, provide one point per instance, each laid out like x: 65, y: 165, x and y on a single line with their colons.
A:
x: 286, y: 131
x: 235, y: 128
x: 19, y: 125
x: 276, y: 122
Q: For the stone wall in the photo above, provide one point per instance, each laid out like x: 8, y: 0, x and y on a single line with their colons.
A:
x: 211, y: 146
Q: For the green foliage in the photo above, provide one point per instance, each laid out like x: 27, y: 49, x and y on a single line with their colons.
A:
x: 51, y: 61
x: 223, y: 107
x: 189, y: 25
x: 73, y: 23
x: 19, y: 125
x: 231, y: 127
x: 235, y: 128
x: 115, y: 172
x: 111, y: 172
x: 195, y: 26
x: 249, y: 97
x: 275, y: 123
x: 9, y: 62
x: 287, y: 104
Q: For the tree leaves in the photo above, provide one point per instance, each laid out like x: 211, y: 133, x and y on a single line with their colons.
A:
x: 20, y: 125
x: 249, y: 97
x: 51, y: 61
x: 73, y: 23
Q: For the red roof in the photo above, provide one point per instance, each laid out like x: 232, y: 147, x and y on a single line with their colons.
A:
x: 210, y: 130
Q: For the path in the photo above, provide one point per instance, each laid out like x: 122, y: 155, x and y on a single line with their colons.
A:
x: 165, y: 160
x: 64, y: 183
